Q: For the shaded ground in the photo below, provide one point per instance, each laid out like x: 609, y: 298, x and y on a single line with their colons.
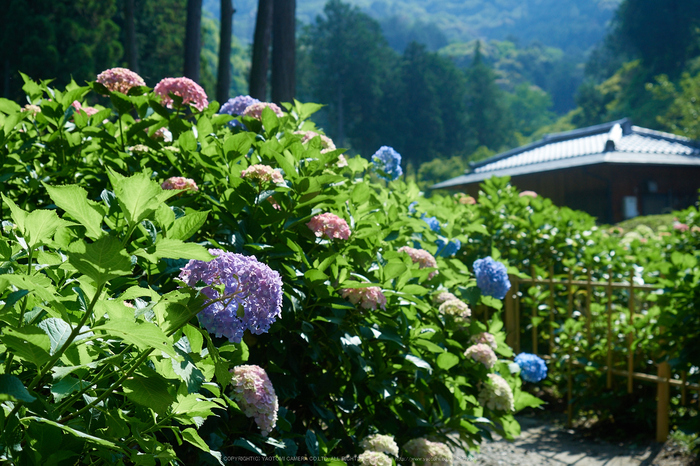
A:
x: 545, y: 443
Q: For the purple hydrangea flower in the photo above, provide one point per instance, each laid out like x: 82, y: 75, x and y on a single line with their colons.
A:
x: 248, y: 284
x: 387, y: 163
x: 235, y: 106
x: 532, y: 367
x: 491, y: 277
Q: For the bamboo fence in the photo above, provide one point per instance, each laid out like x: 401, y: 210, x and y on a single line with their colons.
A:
x: 514, y: 330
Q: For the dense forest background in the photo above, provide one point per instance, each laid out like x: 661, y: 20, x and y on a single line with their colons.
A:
x: 444, y: 82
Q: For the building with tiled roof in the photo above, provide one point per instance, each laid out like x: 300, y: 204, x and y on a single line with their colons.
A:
x: 613, y: 171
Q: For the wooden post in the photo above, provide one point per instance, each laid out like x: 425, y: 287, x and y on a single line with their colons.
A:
x: 534, y: 317
x: 589, y: 317
x: 569, y: 381
x: 609, y: 357
x: 630, y: 337
x: 510, y: 321
x: 551, y: 309
x: 662, y: 402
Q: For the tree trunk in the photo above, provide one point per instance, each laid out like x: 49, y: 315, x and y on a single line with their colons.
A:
x: 283, y: 51
x: 223, y: 81
x: 132, y: 54
x: 261, y: 51
x: 193, y: 39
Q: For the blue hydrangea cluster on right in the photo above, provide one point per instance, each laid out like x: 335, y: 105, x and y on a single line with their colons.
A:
x: 532, y: 367
x: 387, y: 163
x: 491, y: 277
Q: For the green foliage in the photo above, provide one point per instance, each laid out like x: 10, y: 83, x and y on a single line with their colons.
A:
x: 103, y: 358
x: 682, y: 115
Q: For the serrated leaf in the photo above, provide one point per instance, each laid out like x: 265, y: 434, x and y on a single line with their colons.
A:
x: 151, y: 392
x: 189, y: 373
x: 57, y: 330
x: 102, y: 260
x: 76, y: 433
x: 12, y: 389
x: 191, y: 436
x: 184, y: 227
x: 65, y: 387
x: 138, y: 195
x: 143, y: 335
x: 30, y: 343
x: 167, y: 248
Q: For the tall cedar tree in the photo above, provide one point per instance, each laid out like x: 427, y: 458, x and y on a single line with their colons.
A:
x: 283, y: 51
x: 130, y: 45
x: 56, y: 39
x: 193, y: 39
x: 261, y: 50
x: 223, y: 81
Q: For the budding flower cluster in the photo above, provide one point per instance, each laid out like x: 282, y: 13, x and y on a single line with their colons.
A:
x: 482, y: 353
x: 329, y: 225
x: 422, y: 257
x: 496, y: 394
x: 256, y: 396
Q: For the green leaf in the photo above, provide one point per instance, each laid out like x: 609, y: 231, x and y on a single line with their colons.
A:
x: 102, y: 260
x: 65, y: 387
x: 187, y: 141
x: 57, y: 330
x: 143, y: 335
x: 189, y: 373
x: 418, y: 362
x: 151, y: 392
x: 12, y: 389
x: 312, y: 443
x: 191, y: 436
x: 29, y: 343
x: 184, y: 227
x: 447, y: 361
x: 269, y: 120
x: 8, y: 106
x: 139, y: 196
x: 167, y: 248
x: 525, y: 400
x: 73, y: 199
x: 70, y: 430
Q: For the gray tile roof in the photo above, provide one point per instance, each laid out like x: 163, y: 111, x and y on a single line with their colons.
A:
x: 614, y: 142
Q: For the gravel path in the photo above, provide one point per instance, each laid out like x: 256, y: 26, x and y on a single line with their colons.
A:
x: 545, y: 444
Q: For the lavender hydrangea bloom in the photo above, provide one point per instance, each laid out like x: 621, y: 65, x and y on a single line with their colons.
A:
x: 432, y: 222
x: 248, y: 283
x: 447, y: 249
x: 532, y: 367
x: 235, y: 106
x: 491, y: 277
x: 387, y: 163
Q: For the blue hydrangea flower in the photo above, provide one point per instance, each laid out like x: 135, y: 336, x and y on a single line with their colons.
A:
x: 387, y: 163
x: 248, y: 284
x: 532, y: 367
x: 412, y: 207
x: 235, y: 106
x: 491, y: 277
x: 447, y: 249
x: 432, y: 222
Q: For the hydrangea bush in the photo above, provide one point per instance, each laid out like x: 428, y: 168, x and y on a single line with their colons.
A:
x: 146, y: 324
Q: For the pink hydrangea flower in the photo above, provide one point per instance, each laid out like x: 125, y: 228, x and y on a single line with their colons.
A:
x: 34, y: 109
x: 262, y: 173
x: 180, y: 182
x: 329, y: 225
x: 255, y: 110
x: 680, y: 226
x: 496, y: 394
x: 482, y: 353
x: 422, y: 257
x: 455, y: 308
x: 120, y: 80
x: 163, y: 133
x: 528, y: 194
x: 444, y: 296
x: 190, y: 92
x: 89, y: 111
x: 368, y: 298
x: 486, y: 338
x: 256, y: 396
x: 326, y: 142
x: 465, y: 199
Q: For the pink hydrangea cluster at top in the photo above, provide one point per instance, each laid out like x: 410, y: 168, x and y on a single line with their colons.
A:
x: 262, y: 173
x: 256, y: 396
x: 455, y: 308
x: 180, y: 182
x: 496, y: 394
x: 120, y: 80
x: 425, y: 452
x: 485, y: 338
x: 89, y: 111
x: 329, y: 225
x: 190, y: 92
x: 255, y: 110
x: 422, y: 257
x: 482, y: 353
x: 528, y: 194
x: 465, y: 199
x: 368, y: 298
